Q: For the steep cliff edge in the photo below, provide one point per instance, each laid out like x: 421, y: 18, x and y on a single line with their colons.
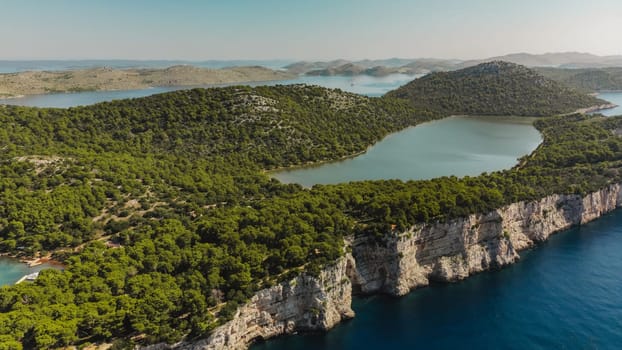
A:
x: 305, y: 303
x: 402, y: 261
x: 456, y: 249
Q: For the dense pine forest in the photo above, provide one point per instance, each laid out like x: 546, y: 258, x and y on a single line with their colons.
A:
x: 166, y: 220
x: 494, y: 88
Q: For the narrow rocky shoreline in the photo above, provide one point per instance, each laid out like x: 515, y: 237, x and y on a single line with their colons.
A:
x: 443, y: 251
x: 596, y: 108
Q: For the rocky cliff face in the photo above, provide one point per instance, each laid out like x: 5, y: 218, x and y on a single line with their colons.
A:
x: 454, y: 250
x: 305, y: 303
x: 402, y: 261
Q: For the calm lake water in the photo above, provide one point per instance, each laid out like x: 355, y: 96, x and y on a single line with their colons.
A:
x: 565, y: 294
x: 452, y: 146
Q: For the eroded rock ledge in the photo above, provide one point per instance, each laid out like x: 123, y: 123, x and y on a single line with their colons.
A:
x: 402, y: 261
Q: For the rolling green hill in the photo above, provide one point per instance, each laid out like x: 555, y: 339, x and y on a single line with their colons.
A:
x: 202, y: 146
x: 494, y: 88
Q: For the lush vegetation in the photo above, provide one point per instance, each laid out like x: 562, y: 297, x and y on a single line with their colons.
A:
x: 586, y: 79
x: 579, y: 154
x: 164, y: 218
x: 494, y: 88
x: 187, y: 149
x: 177, y: 181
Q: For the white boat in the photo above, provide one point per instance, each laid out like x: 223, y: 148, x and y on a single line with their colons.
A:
x: 30, y: 277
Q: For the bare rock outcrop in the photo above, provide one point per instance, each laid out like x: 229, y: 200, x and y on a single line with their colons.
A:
x: 305, y: 303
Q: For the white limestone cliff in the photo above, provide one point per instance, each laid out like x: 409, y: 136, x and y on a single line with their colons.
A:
x: 453, y: 250
x: 305, y: 303
x: 402, y: 261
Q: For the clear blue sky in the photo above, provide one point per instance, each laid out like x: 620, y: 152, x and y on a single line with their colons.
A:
x: 305, y: 29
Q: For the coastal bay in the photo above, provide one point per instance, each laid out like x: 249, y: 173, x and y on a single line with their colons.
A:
x: 11, y: 270
x: 614, y: 97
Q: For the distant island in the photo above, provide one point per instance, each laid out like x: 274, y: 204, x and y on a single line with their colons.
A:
x: 104, y: 78
x: 495, y: 88
x: 377, y: 68
x: 583, y: 71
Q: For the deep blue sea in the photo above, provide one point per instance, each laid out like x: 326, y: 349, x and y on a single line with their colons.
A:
x: 564, y: 294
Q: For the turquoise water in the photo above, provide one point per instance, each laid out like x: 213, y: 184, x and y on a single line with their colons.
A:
x: 613, y: 97
x: 565, y: 294
x: 452, y: 146
x: 11, y: 270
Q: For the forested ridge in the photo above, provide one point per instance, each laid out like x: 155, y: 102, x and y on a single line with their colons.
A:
x: 586, y: 79
x: 493, y: 88
x: 177, y: 181
x: 166, y: 221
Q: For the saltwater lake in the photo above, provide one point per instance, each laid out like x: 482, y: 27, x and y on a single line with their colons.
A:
x: 565, y: 294
x: 452, y: 146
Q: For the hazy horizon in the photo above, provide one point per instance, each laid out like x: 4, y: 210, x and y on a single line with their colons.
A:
x: 194, y: 30
x: 285, y: 59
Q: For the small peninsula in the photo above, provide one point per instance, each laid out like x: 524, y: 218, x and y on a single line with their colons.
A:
x: 103, y: 78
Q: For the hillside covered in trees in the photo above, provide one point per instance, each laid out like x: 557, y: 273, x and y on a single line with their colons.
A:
x: 177, y: 180
x: 586, y: 79
x: 163, y: 214
x: 493, y: 88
